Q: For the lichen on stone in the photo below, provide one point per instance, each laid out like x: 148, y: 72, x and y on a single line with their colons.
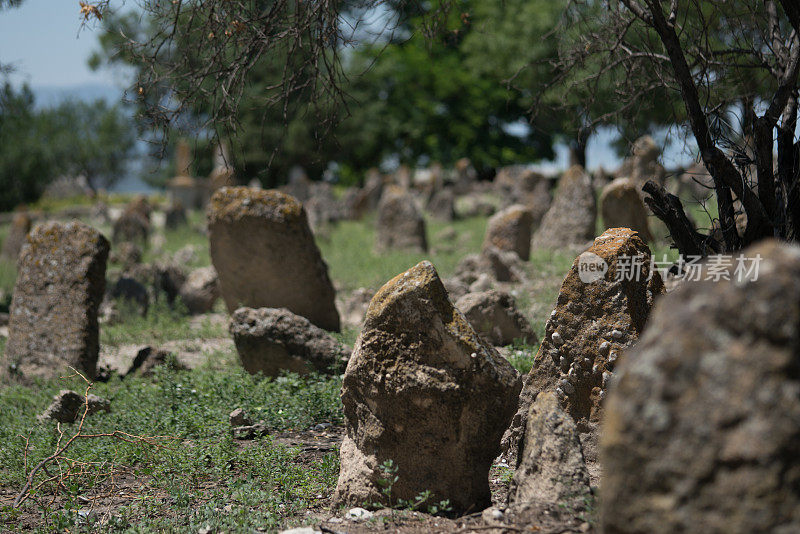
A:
x: 230, y: 203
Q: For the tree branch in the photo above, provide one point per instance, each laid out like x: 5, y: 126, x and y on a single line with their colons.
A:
x: 669, y: 209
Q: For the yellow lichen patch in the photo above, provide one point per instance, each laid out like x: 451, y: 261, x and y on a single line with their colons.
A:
x: 230, y: 203
x: 424, y: 279
x: 418, y: 276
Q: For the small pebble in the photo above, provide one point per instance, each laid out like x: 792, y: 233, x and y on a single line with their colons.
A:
x: 358, y: 514
x: 556, y: 337
x: 568, y: 388
x: 606, y: 377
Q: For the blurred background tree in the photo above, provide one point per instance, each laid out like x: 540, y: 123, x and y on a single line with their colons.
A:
x: 733, y: 67
x: 37, y: 146
x: 406, y: 95
x: 420, y: 98
x: 90, y: 139
x: 26, y: 159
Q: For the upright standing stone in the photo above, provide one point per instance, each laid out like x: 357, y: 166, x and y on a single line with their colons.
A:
x: 464, y: 177
x: 183, y: 187
x: 510, y: 231
x: 134, y: 223
x: 175, y: 215
x: 59, y: 288
x: 299, y: 185
x: 494, y: 315
x: 200, y: 290
x: 442, y: 205
x: 621, y: 207
x: 266, y: 257
x: 518, y: 185
x: 422, y: 390
x: 20, y: 226
x: 702, y: 429
x: 223, y: 173
x: 599, y: 312
x: 400, y: 224
x: 643, y: 163
x: 571, y: 217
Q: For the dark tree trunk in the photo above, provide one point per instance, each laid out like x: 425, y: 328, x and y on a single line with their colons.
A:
x: 577, y: 148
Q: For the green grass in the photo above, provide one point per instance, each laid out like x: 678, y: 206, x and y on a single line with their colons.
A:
x: 200, y: 478
x: 203, y: 479
x: 8, y: 273
x: 162, y: 323
x: 8, y: 276
x: 187, y: 234
x: 349, y: 250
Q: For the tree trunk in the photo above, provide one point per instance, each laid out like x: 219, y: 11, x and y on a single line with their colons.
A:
x: 577, y: 148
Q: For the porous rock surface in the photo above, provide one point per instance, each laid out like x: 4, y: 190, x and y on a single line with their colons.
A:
x: 510, y: 231
x: 200, y: 290
x: 271, y: 340
x: 400, y: 224
x: 494, y: 315
x: 551, y: 467
x: 586, y: 333
x: 570, y: 220
x: 422, y: 389
x: 59, y: 288
x: 702, y: 429
x: 621, y: 206
x: 69, y: 406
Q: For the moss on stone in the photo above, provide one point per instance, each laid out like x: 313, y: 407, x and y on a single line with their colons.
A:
x: 230, y: 203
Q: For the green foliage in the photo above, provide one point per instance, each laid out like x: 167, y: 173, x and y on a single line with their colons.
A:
x: 421, y: 99
x: 416, y: 99
x: 266, y: 141
x: 26, y: 158
x: 388, y: 478
x: 91, y: 139
x: 36, y: 146
x: 521, y: 355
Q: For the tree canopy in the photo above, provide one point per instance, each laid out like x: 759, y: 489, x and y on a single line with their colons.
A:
x: 74, y: 138
x: 415, y: 96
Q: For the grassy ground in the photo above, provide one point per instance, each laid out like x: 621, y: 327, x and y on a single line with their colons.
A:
x: 349, y: 251
x: 196, y: 477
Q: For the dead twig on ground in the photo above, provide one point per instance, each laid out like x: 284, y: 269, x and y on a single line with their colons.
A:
x: 71, y: 468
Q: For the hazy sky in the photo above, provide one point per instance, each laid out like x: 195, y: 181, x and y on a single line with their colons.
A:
x: 45, y: 43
